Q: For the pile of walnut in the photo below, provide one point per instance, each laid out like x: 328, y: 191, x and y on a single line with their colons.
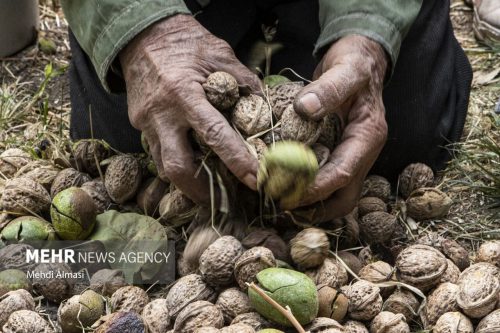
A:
x: 370, y: 276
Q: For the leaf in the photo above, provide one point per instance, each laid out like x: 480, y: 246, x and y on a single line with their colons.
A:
x: 131, y: 233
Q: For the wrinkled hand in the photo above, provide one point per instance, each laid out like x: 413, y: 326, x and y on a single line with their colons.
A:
x: 164, y: 69
x: 349, y: 82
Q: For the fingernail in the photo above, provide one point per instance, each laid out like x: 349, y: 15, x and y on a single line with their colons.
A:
x: 311, y: 103
x: 250, y: 180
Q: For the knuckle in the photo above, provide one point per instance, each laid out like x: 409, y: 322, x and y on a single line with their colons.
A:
x: 175, y: 170
x: 214, y: 134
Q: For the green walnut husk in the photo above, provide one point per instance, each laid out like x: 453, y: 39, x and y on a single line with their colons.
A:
x: 274, y: 80
x: 73, y: 214
x: 288, y: 288
x: 13, y: 279
x: 286, y: 170
x: 27, y: 228
x: 80, y: 310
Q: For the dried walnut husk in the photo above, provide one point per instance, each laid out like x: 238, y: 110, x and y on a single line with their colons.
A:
x: 28, y: 228
x: 428, y: 203
x: 57, y: 288
x: 331, y: 273
x: 365, y: 301
x: 283, y: 95
x: 13, y: 301
x: 186, y: 290
x: 24, y: 196
x: 453, y: 322
x: 68, y: 178
x: 217, y: 261
x: 294, y: 127
x: 156, y: 316
x: 441, y: 300
x: 415, y: 176
x: 388, y: 322
x: 222, y: 90
x: 24, y: 321
x: 123, y: 178
x: 250, y: 263
x: 309, y: 248
x: 198, y: 314
x: 129, y: 298
x: 252, y: 115
x: 232, y: 303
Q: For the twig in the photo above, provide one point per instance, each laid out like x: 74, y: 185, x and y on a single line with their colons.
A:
x: 285, y: 312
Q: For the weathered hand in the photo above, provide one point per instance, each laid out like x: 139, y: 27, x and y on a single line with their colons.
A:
x: 164, y: 69
x: 349, y: 82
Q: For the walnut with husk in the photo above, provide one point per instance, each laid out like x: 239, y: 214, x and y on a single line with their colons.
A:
x: 222, y: 90
x: 269, y: 239
x: 13, y: 301
x: 322, y: 153
x: 353, y: 326
x: 490, y: 323
x: 388, y: 322
x: 97, y: 191
x: 107, y: 281
x: 332, y: 303
x: 67, y: 178
x: 43, y: 172
x: 451, y: 274
x: 129, y: 298
x: 309, y: 248
x: 13, y: 256
x: 376, y: 186
x: 156, y: 317
x: 479, y: 287
x: 331, y: 131
x: 57, y: 288
x: 217, y: 261
x: 377, y: 227
x: 379, y: 272
x: 285, y: 172
x: 123, y: 178
x: 150, y: 194
x: 250, y: 263
x: 413, y: 177
x: 253, y: 319
x: 331, y: 273
x: 24, y: 196
x: 404, y: 302
x: 368, y: 205
x: 252, y: 115
x: 80, y: 311
x: 453, y: 322
x: 13, y: 279
x: 257, y: 147
x: 365, y: 301
x: 120, y: 322
x: 295, y: 127
x: 237, y: 328
x: 428, y: 203
x: 489, y: 252
x: 283, y: 95
x: 88, y: 154
x: 232, y: 303
x: 325, y: 325
x: 198, y: 314
x: 186, y: 290
x: 28, y: 228
x: 13, y: 159
x: 441, y: 300
x: 176, y: 209
x: 24, y: 321
x: 421, y: 266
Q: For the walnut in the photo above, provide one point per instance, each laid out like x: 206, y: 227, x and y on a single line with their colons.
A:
x: 428, y: 203
x: 456, y: 253
x: 376, y: 186
x: 388, y: 322
x: 252, y: 115
x: 123, y: 177
x: 294, y: 127
x: 490, y: 323
x: 371, y: 204
x: 13, y: 256
x: 24, y: 321
x: 252, y: 262
x: 325, y: 325
x: 257, y: 147
x: 379, y: 272
x: 238, y: 328
x: 176, y: 209
x: 54, y: 288
x: 156, y: 317
x: 365, y: 301
x: 129, y: 298
x: 404, y: 302
x: 40, y: 171
x: 24, y: 196
x: 80, y: 311
x: 451, y: 274
x: 12, y: 160
x: 269, y: 239
x: 68, y: 178
x: 13, y: 279
x: 283, y: 95
x: 479, y: 289
x: 217, y: 261
x: 120, y: 322
x: 421, y: 266
x: 222, y: 90
x: 14, y: 301
x: 107, y: 281
x: 377, y: 227
x: 353, y: 326
x: 252, y: 319
x: 88, y: 154
x: 351, y: 261
x: 233, y: 302
x: 205, y: 329
x: 453, y: 322
x: 332, y: 304
x: 322, y: 153
x: 348, y: 227
x: 186, y: 290
x: 97, y: 191
x: 413, y: 177
x: 309, y: 248
x: 331, y: 131
x: 441, y: 300
x: 489, y: 252
x: 150, y: 194
x: 331, y: 273
x: 198, y: 314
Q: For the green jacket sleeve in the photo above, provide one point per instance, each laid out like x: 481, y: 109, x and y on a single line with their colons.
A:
x: 385, y: 21
x: 104, y: 27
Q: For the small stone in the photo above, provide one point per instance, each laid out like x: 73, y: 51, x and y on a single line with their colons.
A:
x: 222, y: 90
